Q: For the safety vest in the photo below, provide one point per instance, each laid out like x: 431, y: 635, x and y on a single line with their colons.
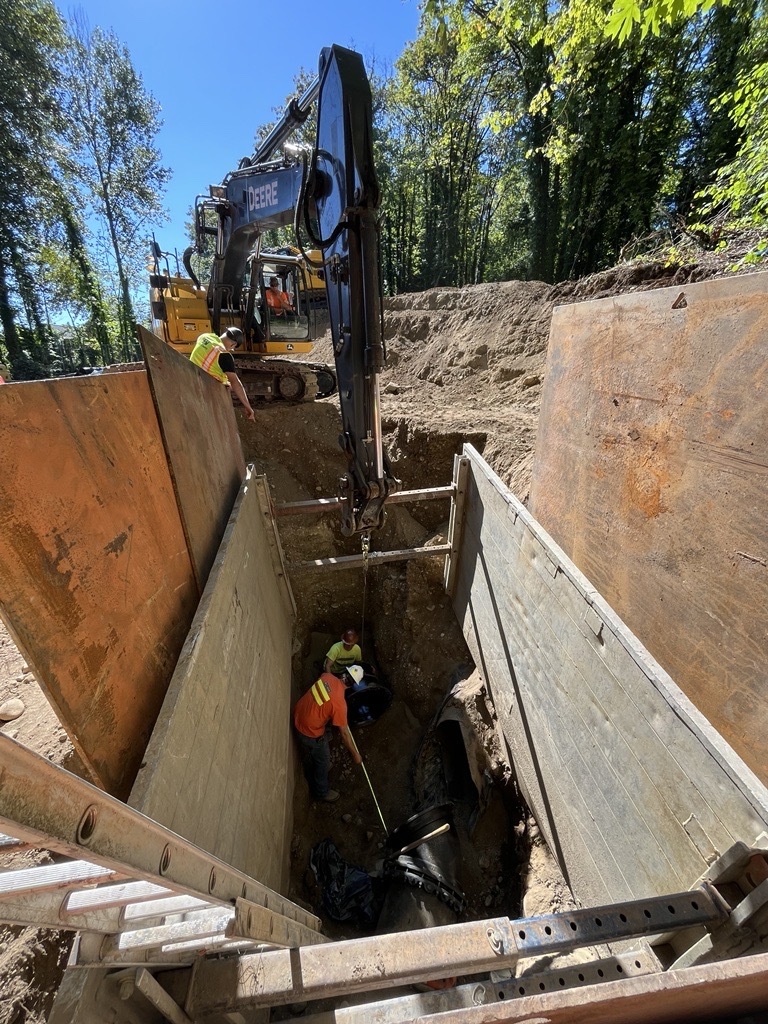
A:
x: 205, y: 354
x: 320, y: 693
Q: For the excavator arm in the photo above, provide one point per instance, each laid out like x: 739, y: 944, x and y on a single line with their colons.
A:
x: 337, y: 200
x: 345, y: 194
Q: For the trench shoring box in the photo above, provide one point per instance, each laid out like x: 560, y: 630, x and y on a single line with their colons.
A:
x: 219, y: 767
x: 635, y: 791
x: 116, y: 489
x: 651, y: 473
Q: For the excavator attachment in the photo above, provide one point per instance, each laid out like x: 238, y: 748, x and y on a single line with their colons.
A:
x: 346, y: 198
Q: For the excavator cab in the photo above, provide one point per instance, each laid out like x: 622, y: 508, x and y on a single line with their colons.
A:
x: 278, y: 318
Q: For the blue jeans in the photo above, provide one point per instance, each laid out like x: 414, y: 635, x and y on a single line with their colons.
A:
x: 316, y: 760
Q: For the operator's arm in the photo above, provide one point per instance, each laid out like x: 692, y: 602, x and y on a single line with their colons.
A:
x: 328, y: 665
x: 349, y: 743
x: 239, y: 390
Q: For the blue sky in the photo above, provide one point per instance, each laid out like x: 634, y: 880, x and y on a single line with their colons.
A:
x: 219, y: 68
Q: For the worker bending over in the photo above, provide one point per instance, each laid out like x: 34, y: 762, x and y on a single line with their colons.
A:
x: 344, y: 653
x: 322, y: 706
x: 213, y: 354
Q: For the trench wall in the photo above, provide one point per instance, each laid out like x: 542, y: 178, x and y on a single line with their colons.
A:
x: 633, y: 788
x: 115, y: 490
x: 651, y: 472
x: 219, y: 767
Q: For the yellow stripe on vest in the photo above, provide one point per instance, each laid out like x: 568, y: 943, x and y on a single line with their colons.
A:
x: 320, y: 693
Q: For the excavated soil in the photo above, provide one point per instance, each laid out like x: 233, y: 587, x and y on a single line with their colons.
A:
x: 464, y: 365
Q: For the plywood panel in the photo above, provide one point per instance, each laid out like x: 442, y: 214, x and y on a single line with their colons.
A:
x: 96, y: 583
x: 199, y: 430
x: 633, y: 789
x: 218, y: 769
x: 651, y: 472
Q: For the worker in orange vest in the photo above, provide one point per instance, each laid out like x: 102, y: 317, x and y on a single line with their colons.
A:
x: 322, y: 706
x: 277, y: 300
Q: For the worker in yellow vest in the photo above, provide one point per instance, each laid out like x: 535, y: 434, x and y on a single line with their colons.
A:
x: 213, y: 353
x: 344, y: 653
x: 323, y: 705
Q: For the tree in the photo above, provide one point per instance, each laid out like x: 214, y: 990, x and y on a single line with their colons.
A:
x: 739, y: 190
x: 114, y: 159
x: 613, y: 141
x: 445, y: 167
x: 30, y: 43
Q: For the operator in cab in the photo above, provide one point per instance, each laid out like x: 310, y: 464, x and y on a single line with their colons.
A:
x: 277, y: 300
x: 213, y: 353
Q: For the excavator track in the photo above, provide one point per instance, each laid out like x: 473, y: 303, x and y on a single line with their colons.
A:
x: 284, y: 380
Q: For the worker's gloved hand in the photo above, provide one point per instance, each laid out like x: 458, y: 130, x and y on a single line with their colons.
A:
x: 250, y: 415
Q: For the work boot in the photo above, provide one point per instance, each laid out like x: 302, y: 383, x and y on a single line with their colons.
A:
x: 330, y: 797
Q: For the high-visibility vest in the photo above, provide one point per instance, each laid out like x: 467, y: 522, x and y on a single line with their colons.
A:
x: 205, y: 354
x: 320, y: 693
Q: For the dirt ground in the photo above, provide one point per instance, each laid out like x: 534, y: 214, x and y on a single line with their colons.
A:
x: 464, y: 365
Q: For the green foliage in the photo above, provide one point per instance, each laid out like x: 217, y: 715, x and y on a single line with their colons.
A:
x: 627, y: 15
x: 63, y: 101
x: 608, y: 141
x: 738, y: 194
x: 30, y: 43
x: 441, y: 166
x: 740, y: 189
x: 113, y: 161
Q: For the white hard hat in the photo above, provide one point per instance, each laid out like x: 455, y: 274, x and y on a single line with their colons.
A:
x: 356, y: 673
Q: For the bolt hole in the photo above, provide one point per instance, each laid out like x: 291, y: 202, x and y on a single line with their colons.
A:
x: 561, y: 981
x: 694, y: 904
x: 671, y: 909
x: 548, y: 930
x: 573, y: 925
x: 637, y: 963
x: 647, y: 913
x: 581, y: 977
x: 501, y: 995
x: 212, y: 880
x: 521, y: 990
x: 619, y: 968
x: 521, y: 934
x: 600, y: 973
x: 598, y: 922
x: 623, y: 918
x: 165, y: 859
x: 87, y: 826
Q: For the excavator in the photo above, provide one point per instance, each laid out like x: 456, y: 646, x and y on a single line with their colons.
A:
x: 261, y: 194
x: 331, y: 194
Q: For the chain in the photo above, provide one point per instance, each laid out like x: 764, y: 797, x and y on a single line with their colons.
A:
x: 366, y: 546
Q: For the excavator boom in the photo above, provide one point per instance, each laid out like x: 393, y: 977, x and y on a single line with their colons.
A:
x: 346, y: 197
x: 332, y: 195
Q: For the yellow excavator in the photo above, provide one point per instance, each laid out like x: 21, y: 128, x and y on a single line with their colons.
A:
x: 266, y: 191
x: 331, y: 195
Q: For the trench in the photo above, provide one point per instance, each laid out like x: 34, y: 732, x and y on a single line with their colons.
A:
x: 437, y: 744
